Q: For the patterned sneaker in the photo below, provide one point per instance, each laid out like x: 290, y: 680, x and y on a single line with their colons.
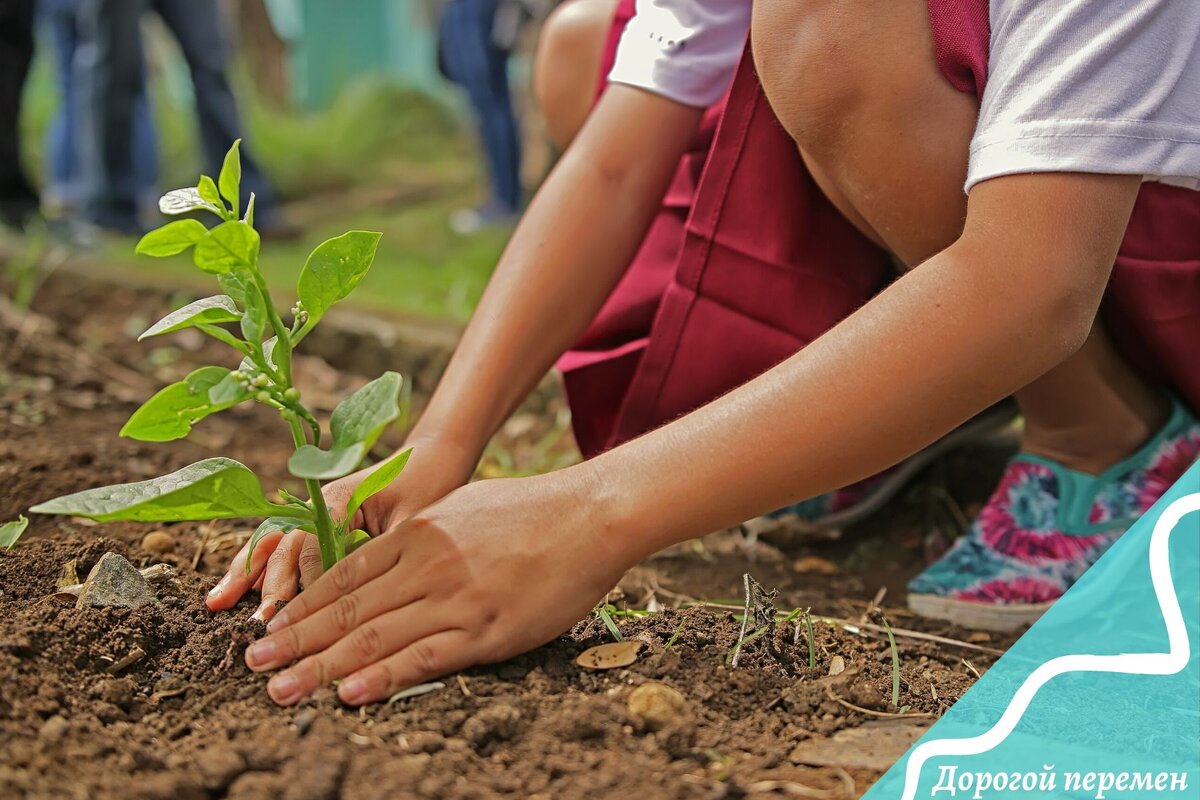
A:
x: 847, y: 506
x: 1043, y: 527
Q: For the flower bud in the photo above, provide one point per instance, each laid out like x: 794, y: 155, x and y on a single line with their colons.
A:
x: 263, y: 397
x: 292, y: 395
x: 260, y: 381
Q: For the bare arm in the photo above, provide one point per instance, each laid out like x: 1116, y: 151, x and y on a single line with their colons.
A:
x: 569, y: 251
x: 1013, y: 297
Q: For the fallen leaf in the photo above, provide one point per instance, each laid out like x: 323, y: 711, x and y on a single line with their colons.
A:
x: 874, y: 746
x: 837, y: 665
x: 610, y: 656
x: 815, y: 564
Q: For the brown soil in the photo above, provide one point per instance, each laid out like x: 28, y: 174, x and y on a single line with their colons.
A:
x: 188, y: 719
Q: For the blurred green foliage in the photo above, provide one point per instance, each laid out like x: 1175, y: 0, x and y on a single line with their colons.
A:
x: 382, y: 157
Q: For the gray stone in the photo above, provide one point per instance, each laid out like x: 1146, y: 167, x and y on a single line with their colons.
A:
x: 115, y: 582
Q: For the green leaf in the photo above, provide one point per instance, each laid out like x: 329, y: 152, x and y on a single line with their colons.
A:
x: 230, y: 181
x: 236, y: 283
x: 354, y: 539
x: 333, y: 270
x: 207, y: 189
x: 172, y: 238
x: 10, y: 532
x: 209, y: 311
x: 362, y: 416
x: 384, y: 474
x: 255, y: 320
x: 171, y: 413
x: 356, y: 424
x: 269, y: 525
x: 185, y: 201
x: 324, y: 465
x: 216, y: 488
x: 229, y: 246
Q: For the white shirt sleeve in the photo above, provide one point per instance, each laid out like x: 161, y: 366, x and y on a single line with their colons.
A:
x: 1106, y: 86
x: 685, y: 50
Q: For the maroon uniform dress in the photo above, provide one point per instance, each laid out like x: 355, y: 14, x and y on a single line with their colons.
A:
x: 747, y: 262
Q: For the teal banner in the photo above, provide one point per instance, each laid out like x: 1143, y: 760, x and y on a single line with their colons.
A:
x: 1099, y: 699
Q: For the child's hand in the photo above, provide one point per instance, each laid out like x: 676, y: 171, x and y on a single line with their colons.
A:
x: 492, y: 570
x: 283, y: 563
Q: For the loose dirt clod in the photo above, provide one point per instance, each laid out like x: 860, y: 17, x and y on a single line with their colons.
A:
x: 657, y: 706
x: 500, y: 722
x: 114, y: 582
x: 158, y: 542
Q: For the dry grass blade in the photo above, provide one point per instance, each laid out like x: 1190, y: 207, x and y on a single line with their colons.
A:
x: 856, y: 627
x: 881, y: 714
x: 416, y: 691
x: 795, y: 790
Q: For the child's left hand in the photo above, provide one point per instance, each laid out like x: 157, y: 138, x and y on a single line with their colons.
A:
x: 492, y: 570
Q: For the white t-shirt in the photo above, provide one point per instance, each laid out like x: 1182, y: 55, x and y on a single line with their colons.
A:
x: 1107, y: 86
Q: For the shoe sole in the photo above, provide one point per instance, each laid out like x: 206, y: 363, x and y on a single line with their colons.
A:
x: 980, y: 427
x: 977, y: 616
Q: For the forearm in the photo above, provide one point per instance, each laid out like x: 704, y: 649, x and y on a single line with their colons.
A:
x: 575, y: 241
x: 938, y: 346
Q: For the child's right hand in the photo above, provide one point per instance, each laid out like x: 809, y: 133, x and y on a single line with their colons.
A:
x: 284, y: 563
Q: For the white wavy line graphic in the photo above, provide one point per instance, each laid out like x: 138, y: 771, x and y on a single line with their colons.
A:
x: 1168, y: 663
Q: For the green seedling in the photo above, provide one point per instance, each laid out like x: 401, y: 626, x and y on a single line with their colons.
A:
x: 674, y: 636
x: 895, y: 665
x: 795, y: 614
x: 245, y: 318
x: 731, y: 657
x: 10, y: 532
x: 605, y: 611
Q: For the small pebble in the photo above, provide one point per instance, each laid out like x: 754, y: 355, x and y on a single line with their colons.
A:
x: 657, y: 705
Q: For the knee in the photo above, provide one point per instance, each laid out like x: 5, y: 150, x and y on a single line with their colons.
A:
x: 812, y: 57
x: 566, y: 68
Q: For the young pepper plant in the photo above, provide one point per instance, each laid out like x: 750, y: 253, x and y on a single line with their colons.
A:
x: 221, y: 488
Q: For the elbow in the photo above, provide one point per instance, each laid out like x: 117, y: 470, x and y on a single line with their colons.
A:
x: 1065, y: 312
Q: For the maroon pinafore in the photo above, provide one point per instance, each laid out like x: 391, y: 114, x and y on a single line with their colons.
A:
x: 747, y: 262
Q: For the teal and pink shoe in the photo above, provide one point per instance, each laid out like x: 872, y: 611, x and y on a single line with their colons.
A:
x: 1043, y: 527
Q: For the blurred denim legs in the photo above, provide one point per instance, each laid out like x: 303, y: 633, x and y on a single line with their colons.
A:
x: 198, y: 27
x: 471, y: 59
x: 109, y: 77
x: 63, y: 179
x: 18, y: 201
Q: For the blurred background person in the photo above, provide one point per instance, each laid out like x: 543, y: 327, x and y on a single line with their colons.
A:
x: 473, y: 52
x: 62, y: 173
x: 18, y: 201
x: 109, y: 78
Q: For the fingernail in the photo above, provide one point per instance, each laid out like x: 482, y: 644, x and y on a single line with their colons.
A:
x: 261, y: 614
x: 283, y: 688
x: 353, y: 690
x: 260, y: 654
x: 220, y: 587
x: 278, y: 621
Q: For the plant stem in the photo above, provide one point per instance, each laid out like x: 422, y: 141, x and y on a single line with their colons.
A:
x: 326, y: 530
x: 282, y: 334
